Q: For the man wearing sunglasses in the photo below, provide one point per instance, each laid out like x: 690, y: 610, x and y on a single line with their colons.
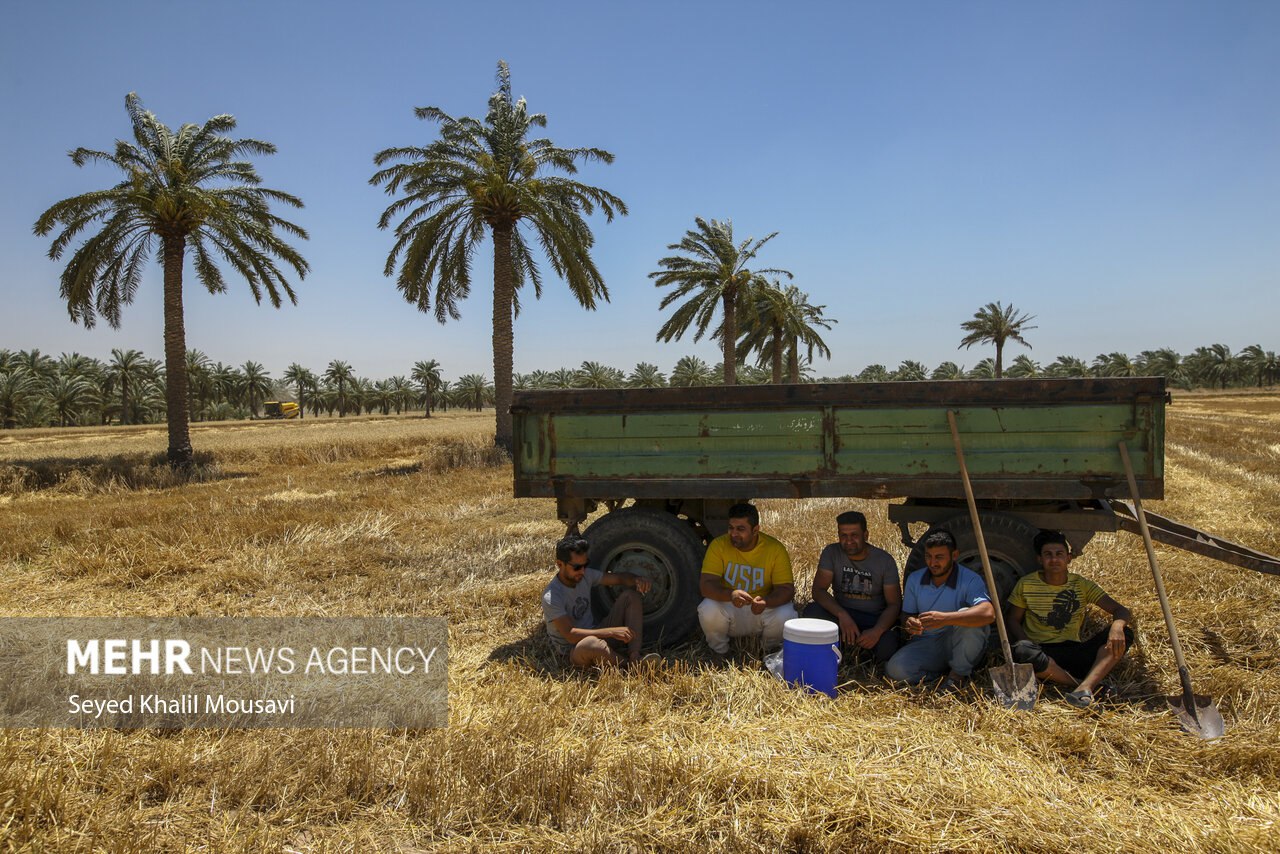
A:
x: 566, y: 608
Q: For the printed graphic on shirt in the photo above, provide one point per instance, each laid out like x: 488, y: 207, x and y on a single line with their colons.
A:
x: 580, y: 607
x: 1065, y: 605
x: 743, y: 577
x: 856, y: 583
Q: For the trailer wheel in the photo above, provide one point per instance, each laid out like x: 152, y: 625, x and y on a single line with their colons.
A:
x: 1008, y: 545
x: 662, y: 547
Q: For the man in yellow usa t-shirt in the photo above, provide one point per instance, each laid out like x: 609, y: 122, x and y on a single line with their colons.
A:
x: 746, y: 584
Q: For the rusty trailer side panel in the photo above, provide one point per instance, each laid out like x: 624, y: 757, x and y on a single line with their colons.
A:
x: 1024, y: 439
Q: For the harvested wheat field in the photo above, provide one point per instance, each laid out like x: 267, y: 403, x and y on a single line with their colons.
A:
x: 414, y: 517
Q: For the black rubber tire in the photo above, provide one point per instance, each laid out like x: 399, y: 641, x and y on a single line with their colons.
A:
x: 1008, y: 545
x: 661, y: 546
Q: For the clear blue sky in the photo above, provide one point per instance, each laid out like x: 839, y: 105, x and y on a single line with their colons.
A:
x: 1112, y: 168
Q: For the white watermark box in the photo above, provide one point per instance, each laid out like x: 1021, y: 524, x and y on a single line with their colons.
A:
x: 174, y: 673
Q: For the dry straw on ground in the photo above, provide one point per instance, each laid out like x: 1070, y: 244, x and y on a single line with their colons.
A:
x: 409, y: 516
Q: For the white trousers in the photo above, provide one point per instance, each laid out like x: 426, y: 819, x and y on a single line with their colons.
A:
x: 721, y: 621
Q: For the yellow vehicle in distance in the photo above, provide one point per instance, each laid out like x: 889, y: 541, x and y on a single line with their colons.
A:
x: 279, y: 409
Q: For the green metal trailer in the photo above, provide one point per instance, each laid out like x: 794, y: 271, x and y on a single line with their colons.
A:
x: 668, y: 463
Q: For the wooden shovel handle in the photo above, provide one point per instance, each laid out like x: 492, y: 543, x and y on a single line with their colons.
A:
x: 1155, y: 567
x: 982, y: 541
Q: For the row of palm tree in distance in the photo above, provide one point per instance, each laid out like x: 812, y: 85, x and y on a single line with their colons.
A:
x: 75, y: 390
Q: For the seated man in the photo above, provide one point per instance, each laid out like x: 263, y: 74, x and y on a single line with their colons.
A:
x: 857, y: 586
x: 1046, y: 617
x: 746, y: 579
x: 946, y: 613
x: 566, y: 608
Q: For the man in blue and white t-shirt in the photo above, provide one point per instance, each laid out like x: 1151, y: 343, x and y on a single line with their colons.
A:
x: 947, y: 613
x: 566, y: 608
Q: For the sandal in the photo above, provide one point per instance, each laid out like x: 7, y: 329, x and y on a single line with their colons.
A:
x: 1081, y: 699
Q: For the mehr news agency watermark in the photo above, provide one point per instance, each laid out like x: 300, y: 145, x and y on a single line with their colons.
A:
x: 218, y: 672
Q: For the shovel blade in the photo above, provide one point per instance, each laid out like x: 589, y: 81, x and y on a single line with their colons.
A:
x: 1015, y: 686
x: 1200, y: 717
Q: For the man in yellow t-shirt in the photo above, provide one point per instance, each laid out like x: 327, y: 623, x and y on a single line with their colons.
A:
x: 746, y: 584
x: 1047, y: 613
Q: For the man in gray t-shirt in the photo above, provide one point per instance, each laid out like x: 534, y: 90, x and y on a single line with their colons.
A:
x: 857, y: 587
x: 566, y: 609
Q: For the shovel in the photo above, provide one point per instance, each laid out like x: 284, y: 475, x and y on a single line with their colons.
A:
x: 1014, y: 684
x: 1197, y: 714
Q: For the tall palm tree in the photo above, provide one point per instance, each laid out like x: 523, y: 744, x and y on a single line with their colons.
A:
x: 713, y: 273
x: 181, y: 189
x: 340, y: 374
x: 490, y: 175
x: 779, y: 320
x: 996, y: 323
x: 763, y: 332
x: 427, y: 375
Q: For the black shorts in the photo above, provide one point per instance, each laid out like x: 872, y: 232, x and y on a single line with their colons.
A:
x: 1075, y: 657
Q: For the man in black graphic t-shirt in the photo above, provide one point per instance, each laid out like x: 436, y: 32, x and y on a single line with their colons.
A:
x: 857, y: 587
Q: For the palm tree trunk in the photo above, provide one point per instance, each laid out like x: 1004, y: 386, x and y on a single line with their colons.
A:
x: 175, y: 355
x: 999, y: 358
x: 503, y: 336
x: 776, y: 356
x: 793, y: 362
x: 730, y: 337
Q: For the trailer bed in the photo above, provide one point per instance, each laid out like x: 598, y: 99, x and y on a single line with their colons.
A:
x: 1023, y: 439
